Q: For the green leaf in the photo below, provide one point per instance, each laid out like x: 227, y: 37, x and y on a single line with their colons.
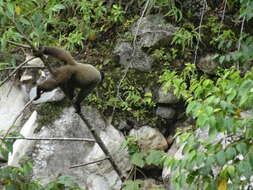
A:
x: 138, y: 159
x: 67, y: 181
x: 58, y: 7
x: 230, y: 153
x: 154, y: 157
x: 132, y: 185
x: 242, y: 148
x: 221, y: 158
x: 231, y: 171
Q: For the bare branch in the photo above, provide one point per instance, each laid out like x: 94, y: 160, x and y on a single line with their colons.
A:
x: 200, y: 24
x: 13, y: 72
x: 18, y: 44
x: 47, y: 139
x: 223, y: 16
x: 24, y: 67
x: 81, y: 165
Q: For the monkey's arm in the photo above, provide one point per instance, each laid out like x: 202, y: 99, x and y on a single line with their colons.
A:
x: 58, y: 53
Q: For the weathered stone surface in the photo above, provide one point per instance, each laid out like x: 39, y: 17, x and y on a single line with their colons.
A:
x: 149, y: 138
x: 207, y: 65
x: 113, y: 140
x: 133, y: 58
x: 53, y: 158
x: 20, y: 147
x: 52, y: 96
x: 166, y: 97
x: 151, y: 184
x: 152, y: 29
x: 165, y: 112
x: 12, y: 102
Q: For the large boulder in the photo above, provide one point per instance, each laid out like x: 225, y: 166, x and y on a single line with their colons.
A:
x: 149, y: 138
x: 12, y: 102
x: 168, y: 97
x: 152, y: 30
x: 133, y: 58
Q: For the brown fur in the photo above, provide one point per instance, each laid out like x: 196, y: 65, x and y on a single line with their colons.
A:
x: 69, y: 77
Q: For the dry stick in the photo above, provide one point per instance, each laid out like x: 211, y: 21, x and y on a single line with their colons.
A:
x: 241, y: 31
x: 130, y: 63
x: 17, y: 68
x: 200, y: 24
x: 223, y: 16
x: 47, y: 139
x: 18, y: 44
x: 93, y: 162
x: 24, y: 67
x: 102, y: 145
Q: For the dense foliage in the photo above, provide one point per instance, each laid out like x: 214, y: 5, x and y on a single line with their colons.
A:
x: 220, y: 103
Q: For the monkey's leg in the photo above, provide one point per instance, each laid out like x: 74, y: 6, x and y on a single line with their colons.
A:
x: 45, y: 86
x: 82, y: 94
x: 68, y: 88
x: 53, y: 82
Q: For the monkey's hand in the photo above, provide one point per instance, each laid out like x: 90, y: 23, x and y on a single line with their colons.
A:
x: 38, y: 93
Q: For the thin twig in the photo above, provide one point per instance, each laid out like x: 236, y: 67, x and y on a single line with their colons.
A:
x: 47, y: 139
x: 223, y: 16
x: 13, y: 72
x: 200, y: 24
x: 133, y: 53
x: 93, y: 162
x: 24, y: 67
x: 241, y: 31
x: 19, y: 45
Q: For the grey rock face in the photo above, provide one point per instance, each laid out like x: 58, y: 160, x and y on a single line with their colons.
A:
x: 131, y: 58
x: 52, y: 96
x: 165, y: 112
x: 12, y: 102
x: 166, y: 97
x: 207, y: 65
x: 149, y: 138
x: 151, y: 30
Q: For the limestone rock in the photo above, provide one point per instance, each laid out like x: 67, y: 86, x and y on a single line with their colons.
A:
x: 133, y: 58
x: 149, y: 138
x: 12, y: 102
x: 20, y: 147
x: 165, y: 112
x: 207, y: 65
x: 166, y: 97
x: 152, y: 29
x: 52, y: 96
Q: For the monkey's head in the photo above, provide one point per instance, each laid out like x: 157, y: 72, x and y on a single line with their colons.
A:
x: 39, y: 51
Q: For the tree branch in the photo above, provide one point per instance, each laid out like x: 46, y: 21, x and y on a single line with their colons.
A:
x: 13, y: 72
x: 47, y: 139
x: 24, y: 67
x: 81, y: 165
